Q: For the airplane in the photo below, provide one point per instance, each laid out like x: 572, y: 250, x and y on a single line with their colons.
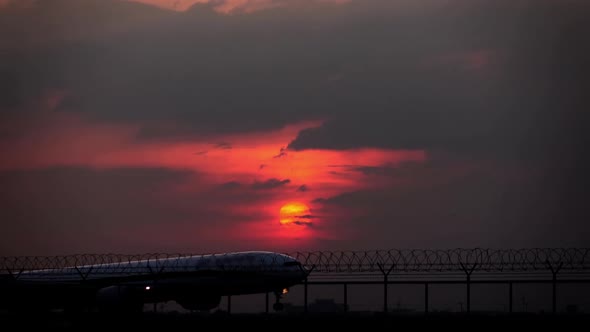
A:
x: 194, y: 282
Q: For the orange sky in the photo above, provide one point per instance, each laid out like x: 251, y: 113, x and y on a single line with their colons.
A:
x: 256, y: 162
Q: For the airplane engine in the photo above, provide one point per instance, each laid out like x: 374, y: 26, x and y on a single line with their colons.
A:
x: 119, y: 298
x: 200, y: 302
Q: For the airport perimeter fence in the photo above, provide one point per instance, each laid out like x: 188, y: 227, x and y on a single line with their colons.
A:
x: 383, y: 268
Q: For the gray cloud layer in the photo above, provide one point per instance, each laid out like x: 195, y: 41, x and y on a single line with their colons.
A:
x: 495, y: 205
x: 488, y: 77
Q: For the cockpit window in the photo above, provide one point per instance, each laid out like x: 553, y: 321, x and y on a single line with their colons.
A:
x: 294, y: 263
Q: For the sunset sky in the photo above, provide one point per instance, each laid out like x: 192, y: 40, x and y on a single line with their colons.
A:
x: 135, y: 126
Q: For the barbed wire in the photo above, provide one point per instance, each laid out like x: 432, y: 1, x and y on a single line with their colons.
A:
x: 374, y: 261
x: 452, y: 260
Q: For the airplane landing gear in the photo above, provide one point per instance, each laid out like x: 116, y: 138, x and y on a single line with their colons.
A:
x: 278, y: 306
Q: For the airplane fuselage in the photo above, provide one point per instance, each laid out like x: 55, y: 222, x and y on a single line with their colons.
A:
x: 195, y: 282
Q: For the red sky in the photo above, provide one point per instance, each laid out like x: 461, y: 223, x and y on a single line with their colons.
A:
x: 254, y: 163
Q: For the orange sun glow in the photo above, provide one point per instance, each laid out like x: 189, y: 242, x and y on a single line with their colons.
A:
x: 295, y: 213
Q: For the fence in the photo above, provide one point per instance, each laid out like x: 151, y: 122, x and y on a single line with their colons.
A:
x: 378, y: 267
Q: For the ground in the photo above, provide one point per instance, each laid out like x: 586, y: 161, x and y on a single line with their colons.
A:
x: 171, y: 322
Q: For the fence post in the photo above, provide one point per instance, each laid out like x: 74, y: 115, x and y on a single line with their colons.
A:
x: 305, y: 288
x: 305, y: 296
x: 385, y: 283
x: 426, y: 298
x: 345, y: 297
x: 510, y: 297
x: 554, y: 272
x: 155, y: 273
x: 468, y: 272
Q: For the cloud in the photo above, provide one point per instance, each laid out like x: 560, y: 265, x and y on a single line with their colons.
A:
x: 234, y: 6
x: 223, y: 146
x: 270, y: 184
x: 282, y: 153
x: 302, y: 223
x: 466, y: 204
x: 437, y: 77
x: 231, y: 185
x: 303, y: 188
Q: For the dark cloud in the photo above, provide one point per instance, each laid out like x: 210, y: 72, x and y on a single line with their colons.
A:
x: 452, y: 204
x: 10, y: 91
x: 270, y: 184
x: 303, y: 188
x: 223, y: 146
x: 282, y: 153
x: 368, y: 170
x: 375, y: 170
x: 231, y: 185
x: 257, y: 185
x: 302, y: 223
x: 491, y: 77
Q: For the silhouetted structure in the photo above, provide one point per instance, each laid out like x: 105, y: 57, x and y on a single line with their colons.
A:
x: 382, y: 267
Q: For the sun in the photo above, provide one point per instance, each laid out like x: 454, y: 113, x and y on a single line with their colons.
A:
x: 295, y: 213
